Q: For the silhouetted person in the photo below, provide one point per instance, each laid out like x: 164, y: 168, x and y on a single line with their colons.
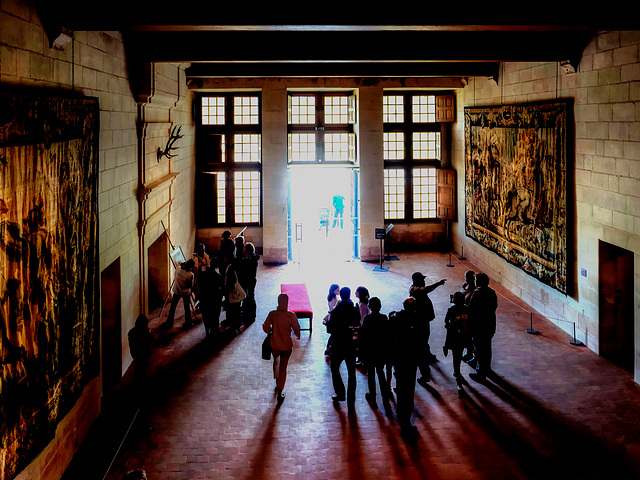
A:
x: 182, y: 285
x: 343, y: 322
x: 362, y: 294
x: 227, y: 250
x: 468, y: 286
x: 424, y: 310
x: 374, y: 350
x: 467, y: 289
x: 332, y: 300
x: 211, y: 287
x: 234, y: 294
x: 202, y: 262
x: 248, y: 277
x: 281, y: 322
x: 456, y: 322
x: 408, y: 348
x: 140, y: 340
x: 239, y: 248
x: 482, y: 310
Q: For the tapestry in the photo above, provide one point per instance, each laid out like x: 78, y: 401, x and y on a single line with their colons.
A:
x: 49, y: 324
x: 515, y: 188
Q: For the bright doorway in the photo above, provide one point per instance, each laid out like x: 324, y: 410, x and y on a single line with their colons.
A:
x: 323, y: 214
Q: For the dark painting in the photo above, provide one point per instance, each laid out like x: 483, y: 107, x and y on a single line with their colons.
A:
x: 49, y: 330
x: 516, y: 201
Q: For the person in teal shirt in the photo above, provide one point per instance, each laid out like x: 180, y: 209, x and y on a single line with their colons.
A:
x: 338, y: 205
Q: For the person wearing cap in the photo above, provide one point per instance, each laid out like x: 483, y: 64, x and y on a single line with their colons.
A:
x: 424, y: 309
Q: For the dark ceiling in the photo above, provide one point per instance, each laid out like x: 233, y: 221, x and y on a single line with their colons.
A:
x: 340, y: 39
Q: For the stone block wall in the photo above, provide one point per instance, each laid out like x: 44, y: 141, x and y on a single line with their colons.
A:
x: 605, y: 169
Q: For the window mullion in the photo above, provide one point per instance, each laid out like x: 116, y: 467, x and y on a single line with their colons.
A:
x: 408, y: 191
x: 230, y: 197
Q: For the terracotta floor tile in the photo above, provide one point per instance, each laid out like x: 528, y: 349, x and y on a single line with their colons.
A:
x: 553, y: 411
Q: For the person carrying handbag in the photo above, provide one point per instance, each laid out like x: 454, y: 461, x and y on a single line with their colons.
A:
x: 280, y: 322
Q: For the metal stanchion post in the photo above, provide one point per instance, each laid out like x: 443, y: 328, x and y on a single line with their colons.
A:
x: 530, y: 329
x: 450, y: 264
x: 462, y: 257
x: 574, y: 340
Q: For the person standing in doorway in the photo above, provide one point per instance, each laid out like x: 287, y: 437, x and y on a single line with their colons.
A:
x: 281, y: 322
x: 482, y: 311
x: 425, y: 313
x: 182, y: 285
x: 338, y: 210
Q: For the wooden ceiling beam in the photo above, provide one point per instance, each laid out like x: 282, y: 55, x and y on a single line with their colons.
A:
x: 342, y: 70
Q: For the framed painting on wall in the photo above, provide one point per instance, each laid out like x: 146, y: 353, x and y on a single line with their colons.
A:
x: 49, y: 322
x: 516, y: 185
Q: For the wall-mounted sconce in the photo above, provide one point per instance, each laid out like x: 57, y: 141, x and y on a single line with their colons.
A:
x: 567, y: 67
x: 62, y: 40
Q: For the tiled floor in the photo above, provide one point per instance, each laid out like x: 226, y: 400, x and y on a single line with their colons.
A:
x: 555, y: 410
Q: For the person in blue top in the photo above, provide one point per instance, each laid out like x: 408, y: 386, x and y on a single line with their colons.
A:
x: 338, y: 206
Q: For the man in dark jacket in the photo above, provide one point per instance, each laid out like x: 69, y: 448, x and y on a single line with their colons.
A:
x: 407, y: 350
x: 424, y: 309
x: 482, y: 311
x: 342, y: 325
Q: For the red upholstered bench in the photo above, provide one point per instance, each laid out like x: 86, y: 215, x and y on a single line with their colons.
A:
x: 299, y: 302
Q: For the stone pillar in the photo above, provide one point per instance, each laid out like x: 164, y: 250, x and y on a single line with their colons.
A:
x: 371, y: 171
x: 274, y: 172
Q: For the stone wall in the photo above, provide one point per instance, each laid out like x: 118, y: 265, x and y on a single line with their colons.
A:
x: 94, y: 64
x: 606, y: 171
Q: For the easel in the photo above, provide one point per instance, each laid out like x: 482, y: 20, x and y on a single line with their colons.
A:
x: 177, y: 258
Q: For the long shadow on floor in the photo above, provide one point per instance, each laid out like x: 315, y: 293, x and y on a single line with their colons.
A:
x: 543, y: 442
x: 125, y: 403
